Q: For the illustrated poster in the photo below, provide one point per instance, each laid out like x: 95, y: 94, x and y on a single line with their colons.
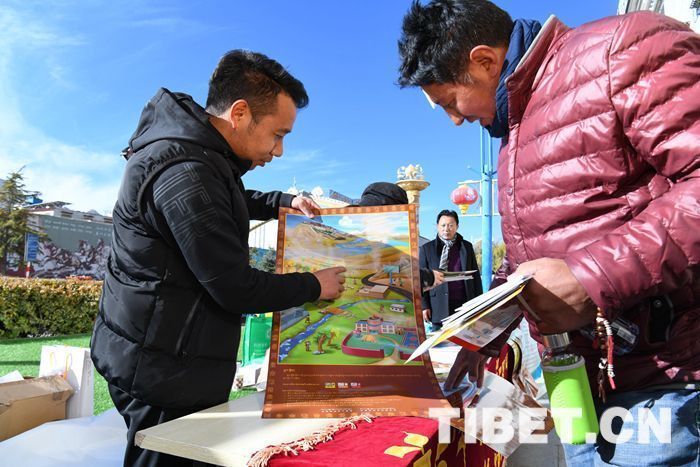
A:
x: 347, y: 357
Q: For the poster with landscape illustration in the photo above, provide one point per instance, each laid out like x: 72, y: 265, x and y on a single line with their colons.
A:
x: 348, y: 356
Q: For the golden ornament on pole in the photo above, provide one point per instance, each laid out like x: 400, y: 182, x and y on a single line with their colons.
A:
x: 410, y: 178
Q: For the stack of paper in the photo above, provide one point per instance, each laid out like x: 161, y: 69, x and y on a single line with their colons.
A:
x: 480, y: 320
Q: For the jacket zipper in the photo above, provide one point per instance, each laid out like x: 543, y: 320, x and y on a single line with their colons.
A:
x: 187, y: 328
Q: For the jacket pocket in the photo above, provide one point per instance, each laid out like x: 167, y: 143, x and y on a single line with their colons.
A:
x: 186, y: 333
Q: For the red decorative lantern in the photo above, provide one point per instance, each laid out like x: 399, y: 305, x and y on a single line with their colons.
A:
x: 464, y: 196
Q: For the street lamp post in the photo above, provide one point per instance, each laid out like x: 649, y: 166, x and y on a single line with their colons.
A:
x: 487, y: 174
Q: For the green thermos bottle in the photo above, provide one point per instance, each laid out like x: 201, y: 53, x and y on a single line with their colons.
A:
x: 567, y: 385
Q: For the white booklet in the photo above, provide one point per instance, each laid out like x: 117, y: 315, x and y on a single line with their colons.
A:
x: 451, y: 276
x: 480, y: 320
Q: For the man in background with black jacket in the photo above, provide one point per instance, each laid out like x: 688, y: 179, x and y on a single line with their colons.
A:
x: 178, y: 277
x: 449, y: 251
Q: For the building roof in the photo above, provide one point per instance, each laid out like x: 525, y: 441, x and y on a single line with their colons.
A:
x: 45, y: 206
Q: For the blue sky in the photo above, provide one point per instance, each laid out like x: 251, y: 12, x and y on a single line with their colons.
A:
x: 74, y: 76
x: 390, y: 228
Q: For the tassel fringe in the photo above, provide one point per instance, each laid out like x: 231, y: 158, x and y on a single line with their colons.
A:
x: 263, y: 456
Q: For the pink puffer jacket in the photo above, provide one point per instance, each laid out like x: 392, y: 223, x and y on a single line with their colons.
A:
x: 602, y: 169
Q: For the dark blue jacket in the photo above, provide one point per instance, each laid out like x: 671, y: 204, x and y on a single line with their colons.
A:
x: 437, y: 298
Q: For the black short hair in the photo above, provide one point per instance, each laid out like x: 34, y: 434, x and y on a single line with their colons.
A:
x: 448, y: 213
x: 437, y: 38
x: 383, y: 194
x: 242, y: 74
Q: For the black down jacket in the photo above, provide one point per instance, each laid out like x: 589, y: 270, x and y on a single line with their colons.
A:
x: 178, y: 275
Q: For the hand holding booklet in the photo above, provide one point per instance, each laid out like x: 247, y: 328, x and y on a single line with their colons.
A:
x: 450, y: 276
x: 480, y: 320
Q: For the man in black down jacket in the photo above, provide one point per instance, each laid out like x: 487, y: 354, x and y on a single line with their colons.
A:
x: 178, y: 278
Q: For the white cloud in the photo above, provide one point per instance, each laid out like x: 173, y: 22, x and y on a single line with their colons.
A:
x: 88, y: 178
x: 376, y: 227
x: 172, y: 24
x: 312, y: 165
x: 346, y: 222
x: 62, y: 172
x: 20, y: 29
x: 385, y: 227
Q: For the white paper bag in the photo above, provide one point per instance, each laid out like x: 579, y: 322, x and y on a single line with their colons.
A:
x: 74, y: 364
x: 11, y: 377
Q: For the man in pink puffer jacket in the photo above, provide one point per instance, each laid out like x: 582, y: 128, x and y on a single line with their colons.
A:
x: 599, y: 188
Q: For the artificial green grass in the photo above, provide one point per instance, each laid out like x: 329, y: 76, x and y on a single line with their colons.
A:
x: 24, y: 355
